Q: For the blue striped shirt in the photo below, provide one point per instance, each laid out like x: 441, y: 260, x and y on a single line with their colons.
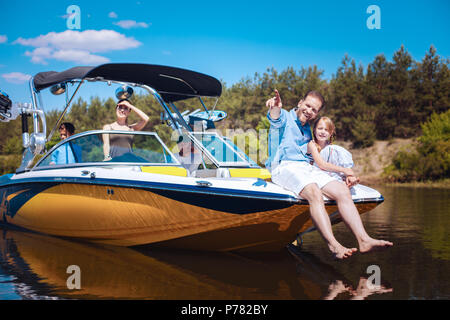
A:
x: 288, y: 139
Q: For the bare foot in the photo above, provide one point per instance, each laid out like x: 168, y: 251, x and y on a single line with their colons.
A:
x: 340, y: 252
x: 336, y: 288
x: 363, y: 290
x: 373, y: 244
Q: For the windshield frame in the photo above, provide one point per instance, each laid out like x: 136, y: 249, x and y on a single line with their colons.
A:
x: 235, y: 164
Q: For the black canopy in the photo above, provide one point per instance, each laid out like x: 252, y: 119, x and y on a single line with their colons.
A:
x: 47, y: 79
x: 172, y: 84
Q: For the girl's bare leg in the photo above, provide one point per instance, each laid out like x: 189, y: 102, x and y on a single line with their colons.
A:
x: 347, y: 209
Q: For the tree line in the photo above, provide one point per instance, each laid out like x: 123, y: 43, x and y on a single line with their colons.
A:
x: 385, y: 100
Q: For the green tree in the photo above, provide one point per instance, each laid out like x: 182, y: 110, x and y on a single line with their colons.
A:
x: 348, y: 106
x: 401, y: 100
x: 432, y: 81
x: 377, y: 96
x: 430, y: 159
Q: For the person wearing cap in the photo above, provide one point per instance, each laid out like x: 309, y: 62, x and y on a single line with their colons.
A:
x: 115, y: 145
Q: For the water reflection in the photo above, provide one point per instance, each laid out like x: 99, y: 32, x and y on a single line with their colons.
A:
x: 417, y: 221
x: 33, y: 266
x: 36, y: 266
x: 339, y: 287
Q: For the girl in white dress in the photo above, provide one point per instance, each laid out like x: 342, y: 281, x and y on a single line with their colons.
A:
x: 330, y: 157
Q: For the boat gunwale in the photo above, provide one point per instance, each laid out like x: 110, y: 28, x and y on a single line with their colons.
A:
x: 150, y: 185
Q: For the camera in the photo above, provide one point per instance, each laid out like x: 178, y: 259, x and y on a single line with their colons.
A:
x: 5, y: 105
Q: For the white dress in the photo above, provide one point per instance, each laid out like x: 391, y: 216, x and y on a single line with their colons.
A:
x: 338, y: 156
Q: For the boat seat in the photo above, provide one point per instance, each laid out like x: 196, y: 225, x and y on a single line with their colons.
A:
x: 211, y: 173
x: 169, y: 170
x: 232, y: 173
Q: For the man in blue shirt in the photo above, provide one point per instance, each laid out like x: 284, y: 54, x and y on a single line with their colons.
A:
x: 68, y: 152
x: 291, y: 168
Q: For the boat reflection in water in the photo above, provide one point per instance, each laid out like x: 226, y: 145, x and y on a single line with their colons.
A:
x: 38, y: 264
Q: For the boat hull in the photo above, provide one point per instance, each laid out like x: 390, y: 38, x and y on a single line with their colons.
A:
x: 128, y: 216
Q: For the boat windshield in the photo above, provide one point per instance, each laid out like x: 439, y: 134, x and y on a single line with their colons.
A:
x: 108, y: 147
x: 223, y: 150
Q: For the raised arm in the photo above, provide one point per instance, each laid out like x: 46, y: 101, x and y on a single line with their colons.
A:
x: 274, y: 104
x: 144, y: 118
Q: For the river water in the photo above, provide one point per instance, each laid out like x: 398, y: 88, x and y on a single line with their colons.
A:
x: 417, y: 220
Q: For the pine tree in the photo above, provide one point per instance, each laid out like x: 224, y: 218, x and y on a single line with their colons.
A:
x: 432, y: 80
x: 401, y: 102
x: 348, y: 101
x: 378, y: 94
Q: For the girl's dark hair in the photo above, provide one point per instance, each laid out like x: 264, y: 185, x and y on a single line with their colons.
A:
x: 69, y: 127
x: 121, y: 101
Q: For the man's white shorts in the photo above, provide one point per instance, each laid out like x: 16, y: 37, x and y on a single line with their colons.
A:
x: 295, y: 175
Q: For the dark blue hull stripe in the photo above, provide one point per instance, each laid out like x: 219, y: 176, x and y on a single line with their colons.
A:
x: 216, y: 202
x: 158, y: 186
x: 219, y: 199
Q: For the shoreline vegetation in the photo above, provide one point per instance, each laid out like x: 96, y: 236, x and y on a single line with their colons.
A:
x: 370, y: 163
x: 421, y: 184
x: 393, y: 116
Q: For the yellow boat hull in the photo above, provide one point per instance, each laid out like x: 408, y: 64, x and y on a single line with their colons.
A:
x: 128, y: 216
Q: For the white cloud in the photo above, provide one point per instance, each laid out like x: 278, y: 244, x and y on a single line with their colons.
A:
x: 128, y: 24
x: 79, y: 56
x: 3, y: 38
x: 90, y: 40
x: 76, y: 46
x: 112, y: 14
x: 41, y: 55
x: 16, y: 77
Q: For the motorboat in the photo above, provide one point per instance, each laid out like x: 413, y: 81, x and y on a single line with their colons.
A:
x: 221, y: 200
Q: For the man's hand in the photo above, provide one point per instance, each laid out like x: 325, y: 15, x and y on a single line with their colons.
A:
x: 274, y: 104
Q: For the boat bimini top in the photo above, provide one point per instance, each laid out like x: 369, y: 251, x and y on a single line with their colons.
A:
x: 173, y: 84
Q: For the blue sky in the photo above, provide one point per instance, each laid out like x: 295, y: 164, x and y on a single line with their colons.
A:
x: 226, y: 39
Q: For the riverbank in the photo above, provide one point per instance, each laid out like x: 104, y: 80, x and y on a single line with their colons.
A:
x: 370, y: 163
x: 422, y: 184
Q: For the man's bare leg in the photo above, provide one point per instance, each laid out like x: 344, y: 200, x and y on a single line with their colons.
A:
x: 322, y: 222
x: 347, y: 209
